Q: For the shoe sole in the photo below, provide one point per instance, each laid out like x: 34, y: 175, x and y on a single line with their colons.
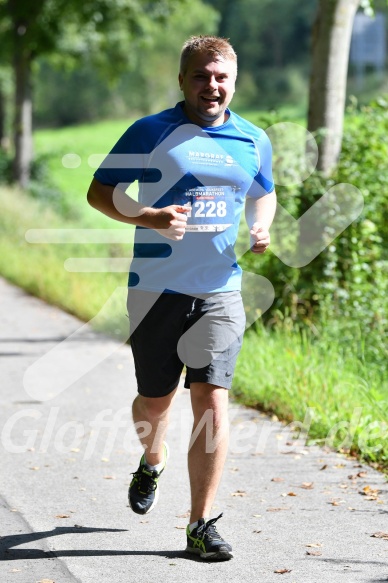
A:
x: 156, y: 491
x: 219, y: 556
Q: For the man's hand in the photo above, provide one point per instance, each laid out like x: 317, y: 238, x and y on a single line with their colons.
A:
x: 260, y: 238
x: 170, y: 221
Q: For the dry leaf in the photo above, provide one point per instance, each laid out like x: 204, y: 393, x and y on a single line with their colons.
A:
x: 380, y: 534
x: 334, y: 503
x: 46, y: 581
x: 314, y: 553
x: 277, y: 480
x: 233, y: 469
x: 257, y: 531
x: 257, y: 515
x: 239, y: 493
x: 314, y: 545
x: 307, y: 485
x: 276, y: 509
x: 362, y: 474
x: 14, y: 570
x: 34, y: 468
x: 109, y: 477
x: 282, y: 571
x: 62, y: 516
x: 291, y: 494
x: 340, y: 466
x: 370, y: 493
x: 181, y: 527
x: 323, y: 467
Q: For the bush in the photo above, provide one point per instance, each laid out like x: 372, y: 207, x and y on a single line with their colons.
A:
x: 346, y: 280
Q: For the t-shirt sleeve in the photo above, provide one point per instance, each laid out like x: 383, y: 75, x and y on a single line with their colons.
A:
x: 263, y: 182
x: 125, y: 163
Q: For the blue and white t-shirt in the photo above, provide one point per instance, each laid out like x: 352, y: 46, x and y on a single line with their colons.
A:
x: 208, y: 169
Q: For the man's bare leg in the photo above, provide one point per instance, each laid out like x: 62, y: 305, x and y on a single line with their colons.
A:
x: 152, y: 415
x: 206, y: 457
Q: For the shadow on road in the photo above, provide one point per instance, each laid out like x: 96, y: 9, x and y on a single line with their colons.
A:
x: 8, y: 553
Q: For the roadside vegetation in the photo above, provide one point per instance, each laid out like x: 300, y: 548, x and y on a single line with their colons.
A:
x: 320, y: 346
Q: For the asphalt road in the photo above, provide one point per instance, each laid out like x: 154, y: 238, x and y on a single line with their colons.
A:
x: 68, y: 448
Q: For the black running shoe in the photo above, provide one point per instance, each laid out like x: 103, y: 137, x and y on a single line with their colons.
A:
x: 205, y: 541
x: 143, y: 491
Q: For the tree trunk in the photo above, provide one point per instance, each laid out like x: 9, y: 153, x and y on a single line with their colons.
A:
x: 23, y: 119
x: 330, y: 55
x: 2, y: 118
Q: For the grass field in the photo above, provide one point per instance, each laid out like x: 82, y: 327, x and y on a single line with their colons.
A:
x: 283, y: 372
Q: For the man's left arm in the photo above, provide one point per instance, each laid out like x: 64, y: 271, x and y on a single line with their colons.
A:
x: 259, y: 214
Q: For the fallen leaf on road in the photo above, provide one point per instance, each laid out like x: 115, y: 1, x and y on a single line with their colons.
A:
x: 181, y: 527
x: 291, y: 494
x: 358, y: 475
x: 314, y: 545
x: 340, y: 466
x: 314, y: 553
x: 282, y: 571
x: 14, y: 570
x: 257, y: 531
x: 277, y: 480
x: 323, y: 467
x: 34, y: 468
x: 307, y: 485
x: 109, y: 477
x: 276, y: 509
x: 257, y: 515
x: 46, y: 581
x: 379, y: 534
x: 335, y: 502
x: 239, y: 493
x: 62, y: 516
x: 370, y: 493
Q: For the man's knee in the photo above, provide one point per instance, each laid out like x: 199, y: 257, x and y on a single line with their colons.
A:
x: 209, y: 398
x: 153, y: 406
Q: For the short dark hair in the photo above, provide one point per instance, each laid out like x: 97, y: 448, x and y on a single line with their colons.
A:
x: 211, y: 45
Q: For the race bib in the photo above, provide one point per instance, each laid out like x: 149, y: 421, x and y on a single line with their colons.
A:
x: 211, y: 208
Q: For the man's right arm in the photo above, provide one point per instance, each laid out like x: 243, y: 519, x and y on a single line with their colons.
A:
x: 169, y: 221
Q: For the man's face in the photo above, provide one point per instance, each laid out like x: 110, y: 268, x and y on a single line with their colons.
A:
x: 208, y: 87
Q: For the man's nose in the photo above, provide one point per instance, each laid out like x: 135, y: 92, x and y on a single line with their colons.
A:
x: 212, y: 83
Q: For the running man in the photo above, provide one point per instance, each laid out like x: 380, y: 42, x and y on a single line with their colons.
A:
x: 198, y: 165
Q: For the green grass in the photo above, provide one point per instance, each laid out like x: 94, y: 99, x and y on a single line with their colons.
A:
x: 286, y: 373
x: 40, y: 268
x: 84, y: 141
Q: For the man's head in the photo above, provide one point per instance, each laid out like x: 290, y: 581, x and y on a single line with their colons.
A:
x: 213, y: 46
x: 208, y: 70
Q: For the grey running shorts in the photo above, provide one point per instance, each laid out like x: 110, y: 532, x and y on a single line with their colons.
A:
x: 169, y: 331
